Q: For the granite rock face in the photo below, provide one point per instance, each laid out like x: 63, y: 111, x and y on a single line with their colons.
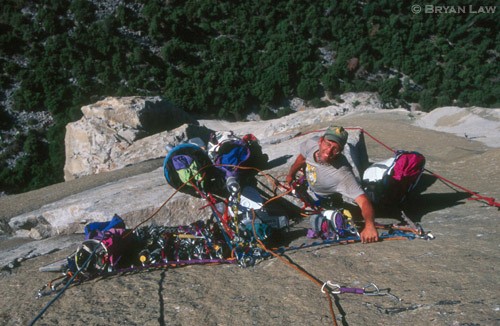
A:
x: 114, y: 133
x: 117, y: 132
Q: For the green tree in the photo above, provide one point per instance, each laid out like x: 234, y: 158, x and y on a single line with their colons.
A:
x: 225, y: 59
x: 308, y: 88
x: 83, y: 10
x: 6, y: 120
x: 427, y: 101
x: 389, y: 89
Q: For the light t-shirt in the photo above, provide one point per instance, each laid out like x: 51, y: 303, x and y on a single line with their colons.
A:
x: 327, y: 179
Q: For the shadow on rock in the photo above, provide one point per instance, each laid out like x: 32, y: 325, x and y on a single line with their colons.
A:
x: 419, y: 205
x: 284, y: 239
x: 278, y: 161
x: 426, y: 203
x: 425, y: 181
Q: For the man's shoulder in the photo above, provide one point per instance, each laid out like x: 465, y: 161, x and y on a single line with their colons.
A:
x: 308, y: 145
x: 311, y: 141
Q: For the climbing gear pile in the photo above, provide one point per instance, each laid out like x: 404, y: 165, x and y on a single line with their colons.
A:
x: 234, y: 234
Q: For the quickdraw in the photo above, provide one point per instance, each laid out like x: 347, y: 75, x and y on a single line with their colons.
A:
x: 195, y: 244
x: 384, y: 236
x: 401, y: 231
x: 54, y: 285
x: 369, y: 290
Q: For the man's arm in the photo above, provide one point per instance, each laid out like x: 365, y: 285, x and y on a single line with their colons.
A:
x: 369, y: 233
x: 300, y: 162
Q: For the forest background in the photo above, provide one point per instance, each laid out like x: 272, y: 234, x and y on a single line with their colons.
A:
x: 227, y: 59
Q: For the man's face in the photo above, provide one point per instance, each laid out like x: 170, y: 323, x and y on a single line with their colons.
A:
x: 328, y: 150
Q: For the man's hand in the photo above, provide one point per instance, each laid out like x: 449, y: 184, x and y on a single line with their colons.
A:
x: 300, y: 163
x: 369, y: 234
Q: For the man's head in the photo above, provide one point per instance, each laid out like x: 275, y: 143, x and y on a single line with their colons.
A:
x: 332, y: 143
x: 336, y: 134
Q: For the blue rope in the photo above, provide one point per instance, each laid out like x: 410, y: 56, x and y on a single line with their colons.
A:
x: 66, y: 286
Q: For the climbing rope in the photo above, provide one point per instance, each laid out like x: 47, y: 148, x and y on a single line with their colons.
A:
x: 66, y: 286
x: 300, y: 270
x: 69, y: 278
x: 475, y: 196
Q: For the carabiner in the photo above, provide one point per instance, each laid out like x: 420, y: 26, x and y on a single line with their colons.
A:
x: 334, y: 288
x: 42, y: 292
x: 52, y: 286
x: 372, y: 289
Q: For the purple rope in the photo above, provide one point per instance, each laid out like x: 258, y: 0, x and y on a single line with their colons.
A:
x: 351, y: 290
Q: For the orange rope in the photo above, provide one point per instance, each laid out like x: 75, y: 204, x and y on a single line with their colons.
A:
x: 303, y: 272
x: 164, y: 203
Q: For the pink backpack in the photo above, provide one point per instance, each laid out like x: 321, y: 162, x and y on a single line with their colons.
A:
x: 389, y: 182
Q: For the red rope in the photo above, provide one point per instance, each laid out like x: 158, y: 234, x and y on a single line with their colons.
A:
x: 489, y: 200
x: 349, y: 128
x: 373, y: 138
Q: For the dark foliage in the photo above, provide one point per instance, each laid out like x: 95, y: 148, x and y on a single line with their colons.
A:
x: 227, y: 58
